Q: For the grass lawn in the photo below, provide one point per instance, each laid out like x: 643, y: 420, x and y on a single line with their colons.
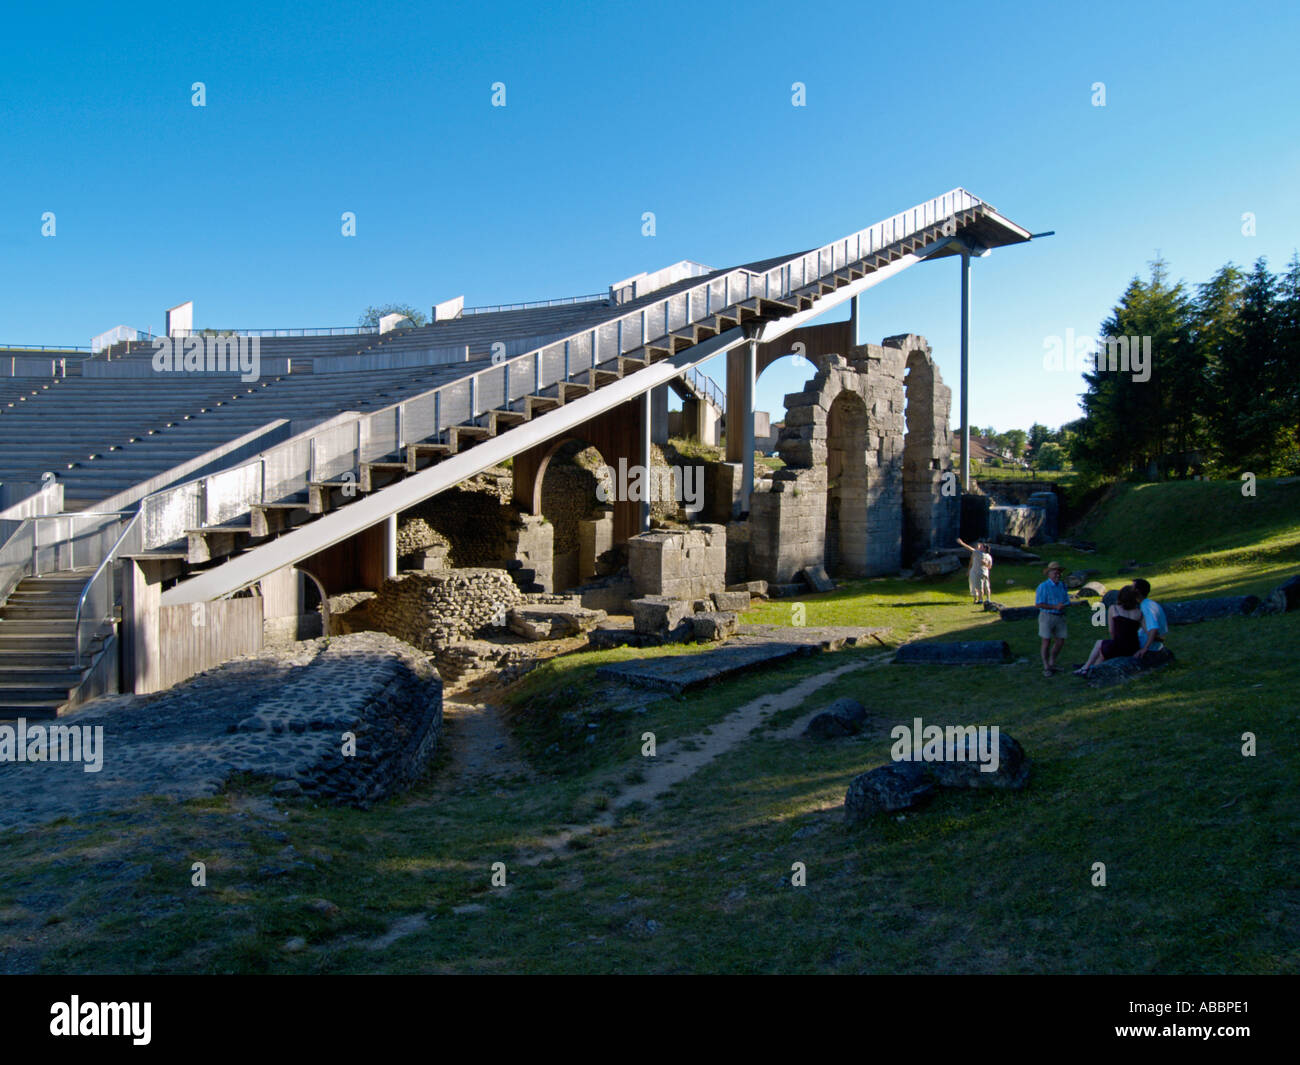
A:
x: 1149, y: 778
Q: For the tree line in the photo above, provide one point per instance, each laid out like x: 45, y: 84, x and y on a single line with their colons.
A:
x: 1223, y: 393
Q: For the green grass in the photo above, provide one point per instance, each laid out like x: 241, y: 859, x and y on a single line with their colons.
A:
x: 1149, y: 778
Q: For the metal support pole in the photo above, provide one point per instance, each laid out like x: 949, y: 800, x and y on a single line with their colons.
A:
x: 644, y: 452
x: 751, y: 376
x: 965, y: 369
x: 390, y: 546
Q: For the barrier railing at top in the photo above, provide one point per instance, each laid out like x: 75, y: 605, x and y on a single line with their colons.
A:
x: 340, y: 450
x: 496, y: 308
x: 42, y: 347
x: 323, y: 331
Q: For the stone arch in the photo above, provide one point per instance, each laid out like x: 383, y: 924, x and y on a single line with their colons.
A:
x: 615, y: 434
x: 567, y: 497
x: 931, y: 508
x: 312, y: 580
x: 846, y: 485
x: 853, y: 467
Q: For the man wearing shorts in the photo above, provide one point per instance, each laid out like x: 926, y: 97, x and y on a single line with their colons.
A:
x: 1051, y: 599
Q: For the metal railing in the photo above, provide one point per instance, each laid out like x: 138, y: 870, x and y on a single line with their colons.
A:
x: 43, y: 347
x: 95, y: 607
x: 496, y: 308
x: 57, y: 542
x: 707, y: 387
x: 323, y: 331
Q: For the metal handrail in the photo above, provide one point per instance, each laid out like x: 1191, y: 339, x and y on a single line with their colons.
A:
x: 495, y: 308
x: 42, y: 347
x: 703, y: 383
x: 312, y: 331
x: 109, y: 559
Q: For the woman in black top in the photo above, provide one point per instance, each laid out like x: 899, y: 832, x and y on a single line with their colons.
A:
x: 1125, y: 625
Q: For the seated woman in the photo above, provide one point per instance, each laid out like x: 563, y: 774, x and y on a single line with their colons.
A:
x: 1125, y: 624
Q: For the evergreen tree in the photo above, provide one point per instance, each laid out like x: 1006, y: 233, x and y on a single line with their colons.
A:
x: 1246, y: 408
x: 1131, y: 418
x: 1288, y: 367
x: 1214, y: 325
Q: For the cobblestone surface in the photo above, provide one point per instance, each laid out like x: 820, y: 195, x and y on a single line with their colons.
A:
x: 281, y: 715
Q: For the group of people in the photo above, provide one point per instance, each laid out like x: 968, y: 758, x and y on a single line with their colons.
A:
x: 1136, y: 623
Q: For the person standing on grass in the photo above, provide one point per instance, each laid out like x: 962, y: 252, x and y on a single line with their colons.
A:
x: 986, y: 574
x: 1155, y: 626
x: 978, y: 589
x: 1051, y: 599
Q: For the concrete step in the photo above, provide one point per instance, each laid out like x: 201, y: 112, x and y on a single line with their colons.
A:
x: 22, y: 688
x: 12, y: 706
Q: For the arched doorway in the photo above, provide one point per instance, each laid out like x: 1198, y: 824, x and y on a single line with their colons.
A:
x: 570, y: 498
x: 846, y: 486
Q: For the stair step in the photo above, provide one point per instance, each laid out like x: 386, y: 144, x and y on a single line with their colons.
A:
x: 46, y: 612
x: 29, y: 708
x: 65, y: 677
x: 12, y: 688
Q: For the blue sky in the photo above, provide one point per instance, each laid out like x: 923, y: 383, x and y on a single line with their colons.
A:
x: 683, y: 109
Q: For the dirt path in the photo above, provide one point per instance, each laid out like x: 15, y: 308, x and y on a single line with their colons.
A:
x: 479, y: 744
x: 678, y: 759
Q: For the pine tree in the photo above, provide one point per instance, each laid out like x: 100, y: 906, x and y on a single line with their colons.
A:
x: 1217, y: 306
x: 1247, y: 409
x: 1288, y: 367
x: 1131, y: 419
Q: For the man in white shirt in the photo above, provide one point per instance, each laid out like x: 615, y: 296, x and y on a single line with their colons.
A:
x: 1155, y: 626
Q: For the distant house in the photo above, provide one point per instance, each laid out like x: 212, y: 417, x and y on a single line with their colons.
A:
x: 981, y: 450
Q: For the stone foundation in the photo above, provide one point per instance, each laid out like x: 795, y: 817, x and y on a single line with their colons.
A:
x: 431, y: 610
x: 680, y: 564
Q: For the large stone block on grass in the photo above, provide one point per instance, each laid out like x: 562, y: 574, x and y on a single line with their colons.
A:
x: 897, y: 786
x: 1117, y: 670
x: 966, y: 770
x: 713, y: 626
x: 844, y: 717
x: 954, y: 653
x: 1193, y: 610
x: 658, y: 616
x: 817, y: 579
x: 939, y: 567
x: 733, y: 601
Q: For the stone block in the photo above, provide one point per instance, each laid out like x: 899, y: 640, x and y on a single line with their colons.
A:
x: 714, y: 625
x: 656, y: 616
x: 817, y: 578
x: 732, y: 601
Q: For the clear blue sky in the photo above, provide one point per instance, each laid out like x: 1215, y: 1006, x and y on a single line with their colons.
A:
x: 683, y: 109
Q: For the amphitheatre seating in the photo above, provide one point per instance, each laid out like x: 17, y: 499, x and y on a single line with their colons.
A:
x: 101, y: 435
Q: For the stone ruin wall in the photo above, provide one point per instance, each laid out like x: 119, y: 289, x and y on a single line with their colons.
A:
x: 861, y: 491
